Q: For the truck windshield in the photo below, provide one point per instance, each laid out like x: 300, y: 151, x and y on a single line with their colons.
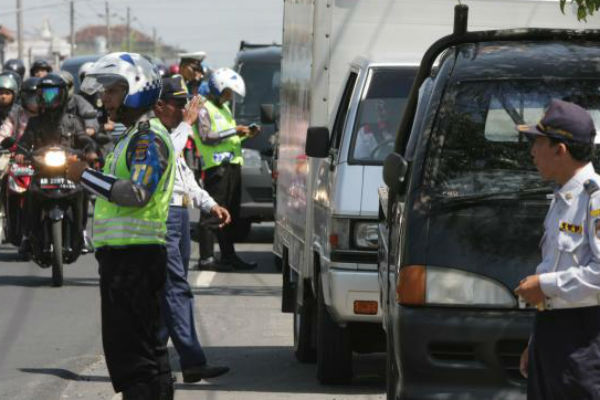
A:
x: 262, y: 87
x: 379, y: 113
x: 475, y: 149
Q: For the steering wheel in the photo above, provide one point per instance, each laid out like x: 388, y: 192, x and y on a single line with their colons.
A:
x: 379, y: 147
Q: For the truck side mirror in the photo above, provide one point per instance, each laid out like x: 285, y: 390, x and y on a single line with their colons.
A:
x: 394, y: 171
x: 267, y: 113
x: 317, y: 142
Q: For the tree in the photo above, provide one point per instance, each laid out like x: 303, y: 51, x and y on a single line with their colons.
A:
x: 585, y: 8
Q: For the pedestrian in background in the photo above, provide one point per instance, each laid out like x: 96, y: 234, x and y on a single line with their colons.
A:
x: 178, y: 116
x: 562, y: 360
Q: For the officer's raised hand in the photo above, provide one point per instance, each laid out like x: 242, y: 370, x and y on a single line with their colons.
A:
x: 530, y: 290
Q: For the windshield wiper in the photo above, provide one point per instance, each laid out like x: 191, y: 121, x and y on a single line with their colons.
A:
x: 493, y: 196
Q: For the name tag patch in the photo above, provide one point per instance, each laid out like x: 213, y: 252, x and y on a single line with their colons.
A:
x: 566, y: 227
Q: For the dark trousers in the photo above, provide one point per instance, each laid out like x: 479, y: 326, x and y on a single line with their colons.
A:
x: 564, y: 355
x: 131, y: 283
x: 178, y: 299
x: 223, y: 183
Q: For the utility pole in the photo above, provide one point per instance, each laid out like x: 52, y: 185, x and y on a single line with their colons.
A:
x: 72, y: 15
x: 154, y: 44
x: 107, y: 26
x: 128, y: 30
x: 20, y: 29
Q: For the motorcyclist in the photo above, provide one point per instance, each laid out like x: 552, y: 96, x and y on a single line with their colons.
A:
x: 29, y: 97
x: 12, y: 118
x: 16, y: 65
x: 106, y: 126
x: 52, y: 126
x: 40, y: 68
x: 219, y: 140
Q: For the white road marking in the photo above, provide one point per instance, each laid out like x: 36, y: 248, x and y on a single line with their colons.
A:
x: 204, y: 278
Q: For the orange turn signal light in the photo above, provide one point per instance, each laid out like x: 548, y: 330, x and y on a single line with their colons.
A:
x: 411, y: 285
x: 365, y: 307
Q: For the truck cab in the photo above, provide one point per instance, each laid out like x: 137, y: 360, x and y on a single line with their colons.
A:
x: 339, y: 312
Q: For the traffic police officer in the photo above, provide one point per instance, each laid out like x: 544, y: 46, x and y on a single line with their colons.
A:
x: 562, y: 360
x: 177, y: 115
x: 133, y: 194
x: 219, y: 139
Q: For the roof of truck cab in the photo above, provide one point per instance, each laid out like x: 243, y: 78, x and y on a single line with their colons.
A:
x: 267, y: 54
x: 526, y: 60
x: 364, y: 62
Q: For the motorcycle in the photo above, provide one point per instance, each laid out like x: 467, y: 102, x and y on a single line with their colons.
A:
x: 56, y: 237
x: 17, y: 181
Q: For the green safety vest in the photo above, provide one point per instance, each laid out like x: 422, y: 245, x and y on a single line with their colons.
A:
x: 116, y: 225
x: 230, y: 149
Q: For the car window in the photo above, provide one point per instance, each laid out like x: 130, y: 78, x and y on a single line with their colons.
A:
x: 379, y: 113
x: 475, y: 147
x: 262, y: 87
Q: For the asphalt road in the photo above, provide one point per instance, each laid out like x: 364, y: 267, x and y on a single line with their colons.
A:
x: 50, y: 345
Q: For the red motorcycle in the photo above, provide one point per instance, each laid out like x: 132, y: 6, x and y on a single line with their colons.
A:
x: 17, y: 181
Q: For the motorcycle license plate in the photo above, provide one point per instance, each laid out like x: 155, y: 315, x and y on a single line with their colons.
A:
x: 56, y: 183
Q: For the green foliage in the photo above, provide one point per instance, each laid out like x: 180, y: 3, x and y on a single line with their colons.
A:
x: 585, y: 8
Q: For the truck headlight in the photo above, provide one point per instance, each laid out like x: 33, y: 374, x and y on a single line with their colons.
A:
x: 55, y: 158
x: 365, y: 235
x: 420, y: 285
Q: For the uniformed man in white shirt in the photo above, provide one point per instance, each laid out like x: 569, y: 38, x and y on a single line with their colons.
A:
x: 562, y: 360
x: 178, y: 301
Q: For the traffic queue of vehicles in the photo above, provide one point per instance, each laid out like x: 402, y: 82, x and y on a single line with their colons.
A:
x: 435, y: 260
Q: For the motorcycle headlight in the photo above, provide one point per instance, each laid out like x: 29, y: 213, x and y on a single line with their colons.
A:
x: 365, y: 235
x: 55, y: 158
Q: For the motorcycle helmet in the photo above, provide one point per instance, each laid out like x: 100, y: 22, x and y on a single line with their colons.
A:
x: 136, y: 73
x: 226, y: 78
x: 39, y: 65
x: 52, y: 92
x: 16, y: 65
x: 68, y: 78
x: 8, y: 81
x: 84, y: 69
x: 173, y: 69
x: 29, y: 95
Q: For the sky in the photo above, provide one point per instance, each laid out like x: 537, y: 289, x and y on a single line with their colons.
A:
x: 213, y: 26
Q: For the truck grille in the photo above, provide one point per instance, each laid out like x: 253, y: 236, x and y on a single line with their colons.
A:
x: 509, y: 356
x: 452, y: 352
x: 261, y: 195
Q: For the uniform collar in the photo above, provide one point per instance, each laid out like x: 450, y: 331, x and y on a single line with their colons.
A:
x: 574, y: 186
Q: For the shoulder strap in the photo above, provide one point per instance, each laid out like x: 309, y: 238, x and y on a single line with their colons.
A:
x: 590, y: 187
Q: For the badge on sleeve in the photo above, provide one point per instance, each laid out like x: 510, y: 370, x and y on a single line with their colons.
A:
x: 141, y: 149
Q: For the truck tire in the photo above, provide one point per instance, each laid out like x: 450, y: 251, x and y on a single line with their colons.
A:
x: 334, y: 347
x: 304, y: 348
x: 57, y: 256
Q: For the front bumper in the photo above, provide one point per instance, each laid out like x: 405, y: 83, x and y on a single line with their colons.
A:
x: 344, y: 287
x: 451, y: 353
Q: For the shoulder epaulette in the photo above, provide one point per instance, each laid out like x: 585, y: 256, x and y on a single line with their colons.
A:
x: 590, y: 186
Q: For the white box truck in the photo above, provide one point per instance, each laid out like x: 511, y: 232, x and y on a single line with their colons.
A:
x: 327, y: 207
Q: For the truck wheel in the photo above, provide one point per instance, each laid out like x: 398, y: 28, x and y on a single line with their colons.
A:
x: 57, y: 249
x: 303, y: 331
x: 241, y: 229
x: 334, y: 348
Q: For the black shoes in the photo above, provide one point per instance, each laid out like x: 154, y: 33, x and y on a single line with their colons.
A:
x: 196, y: 374
x: 88, y: 247
x: 210, y: 264
x: 237, y: 263
x: 25, y: 249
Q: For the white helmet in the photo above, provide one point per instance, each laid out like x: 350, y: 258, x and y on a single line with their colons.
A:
x: 84, y: 69
x: 139, y: 75
x: 226, y: 78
